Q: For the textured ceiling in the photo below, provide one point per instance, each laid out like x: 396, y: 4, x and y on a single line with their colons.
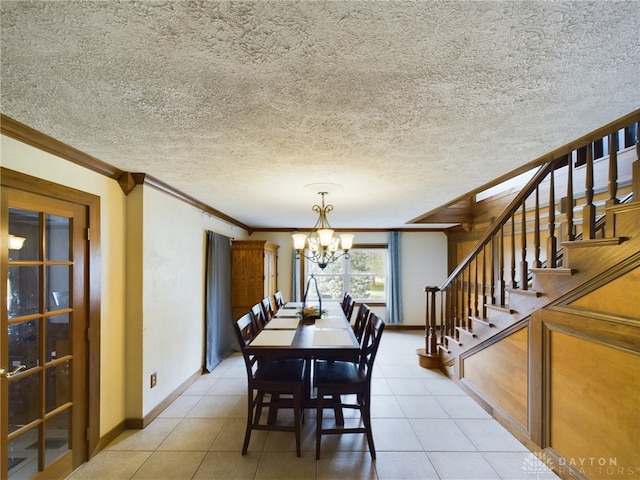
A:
x: 406, y: 105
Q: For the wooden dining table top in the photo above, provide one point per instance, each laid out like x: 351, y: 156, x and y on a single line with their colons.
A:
x: 287, y: 334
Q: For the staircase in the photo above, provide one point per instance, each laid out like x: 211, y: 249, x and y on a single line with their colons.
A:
x: 506, y: 323
x: 520, y: 264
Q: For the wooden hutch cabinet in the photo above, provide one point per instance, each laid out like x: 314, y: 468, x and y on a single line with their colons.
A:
x: 254, y: 273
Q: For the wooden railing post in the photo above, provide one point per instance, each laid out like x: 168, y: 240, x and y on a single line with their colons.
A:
x: 492, y: 275
x: 571, y: 233
x: 589, y: 210
x: 483, y: 294
x: 613, y: 181
x: 476, y: 293
x: 636, y: 174
x: 536, y: 232
x: 552, y: 243
x: 500, y: 294
x: 524, y: 266
x: 428, y: 356
x: 467, y: 311
x: 514, y: 281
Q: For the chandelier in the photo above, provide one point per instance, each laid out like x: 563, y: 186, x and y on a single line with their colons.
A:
x: 321, y: 243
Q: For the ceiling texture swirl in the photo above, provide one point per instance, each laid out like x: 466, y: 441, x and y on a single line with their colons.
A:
x: 406, y: 105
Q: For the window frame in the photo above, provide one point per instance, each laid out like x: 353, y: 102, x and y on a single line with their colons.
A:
x: 346, y: 275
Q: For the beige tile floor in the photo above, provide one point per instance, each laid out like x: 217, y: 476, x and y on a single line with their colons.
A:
x: 424, y: 426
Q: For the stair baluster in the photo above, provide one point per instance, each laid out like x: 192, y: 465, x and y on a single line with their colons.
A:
x: 501, y: 283
x: 571, y: 232
x: 524, y: 266
x: 589, y: 210
x: 492, y: 276
x: 552, y: 241
x: 483, y: 295
x: 467, y: 311
x: 476, y: 292
x: 514, y: 282
x: 536, y: 232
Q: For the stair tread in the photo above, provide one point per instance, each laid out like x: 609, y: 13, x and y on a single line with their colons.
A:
x: 500, y: 308
x: 484, y: 321
x: 454, y: 340
x: 553, y: 271
x: 534, y: 293
x: 466, y: 331
x: 595, y: 242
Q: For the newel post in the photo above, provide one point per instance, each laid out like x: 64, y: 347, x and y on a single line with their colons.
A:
x: 428, y: 357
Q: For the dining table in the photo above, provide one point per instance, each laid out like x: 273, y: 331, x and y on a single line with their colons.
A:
x: 288, y: 335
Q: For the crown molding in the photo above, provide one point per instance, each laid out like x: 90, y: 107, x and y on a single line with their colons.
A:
x: 127, y: 180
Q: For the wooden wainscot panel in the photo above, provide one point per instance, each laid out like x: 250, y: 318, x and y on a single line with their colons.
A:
x: 593, y: 387
x: 615, y: 297
x: 499, y: 374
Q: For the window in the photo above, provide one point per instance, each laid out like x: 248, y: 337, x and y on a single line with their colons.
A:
x: 364, y: 275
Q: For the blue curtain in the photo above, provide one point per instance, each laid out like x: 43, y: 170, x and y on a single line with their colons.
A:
x: 220, y: 339
x: 394, y: 292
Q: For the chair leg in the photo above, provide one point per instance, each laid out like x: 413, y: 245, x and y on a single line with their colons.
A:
x: 337, y: 409
x: 258, y: 403
x: 297, y: 407
x: 273, y: 411
x: 319, y: 409
x: 247, y: 433
x: 366, y: 419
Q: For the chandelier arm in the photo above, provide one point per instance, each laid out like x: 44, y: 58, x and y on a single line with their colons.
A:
x: 319, y: 260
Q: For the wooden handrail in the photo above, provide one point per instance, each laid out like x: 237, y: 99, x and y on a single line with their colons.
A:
x: 506, y: 215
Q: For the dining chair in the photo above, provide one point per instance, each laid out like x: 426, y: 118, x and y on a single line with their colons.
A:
x: 279, y: 299
x: 348, y: 310
x: 281, y: 378
x: 333, y: 378
x: 345, y: 300
x: 362, y: 316
x: 259, y: 318
x: 267, y: 309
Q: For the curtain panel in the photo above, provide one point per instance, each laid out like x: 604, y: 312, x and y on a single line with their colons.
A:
x: 394, y: 292
x: 220, y: 339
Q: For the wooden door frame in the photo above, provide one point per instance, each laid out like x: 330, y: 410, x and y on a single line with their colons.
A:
x: 27, y: 183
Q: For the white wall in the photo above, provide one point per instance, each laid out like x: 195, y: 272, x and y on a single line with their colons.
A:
x: 173, y: 276
x: 423, y: 257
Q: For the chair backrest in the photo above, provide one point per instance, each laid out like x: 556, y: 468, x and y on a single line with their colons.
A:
x: 267, y: 308
x: 348, y: 311
x: 370, y: 343
x: 345, y: 300
x: 244, y: 329
x: 258, y: 316
x: 361, y: 320
x: 279, y: 299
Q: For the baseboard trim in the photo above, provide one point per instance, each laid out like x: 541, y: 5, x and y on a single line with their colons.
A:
x: 140, y: 423
x: 109, y: 437
x: 400, y: 326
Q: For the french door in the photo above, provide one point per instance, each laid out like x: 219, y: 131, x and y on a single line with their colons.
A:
x: 43, y: 335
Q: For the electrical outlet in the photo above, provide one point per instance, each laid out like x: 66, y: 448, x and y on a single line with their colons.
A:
x: 154, y: 379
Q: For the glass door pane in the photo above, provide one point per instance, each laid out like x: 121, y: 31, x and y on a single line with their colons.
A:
x: 39, y: 326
